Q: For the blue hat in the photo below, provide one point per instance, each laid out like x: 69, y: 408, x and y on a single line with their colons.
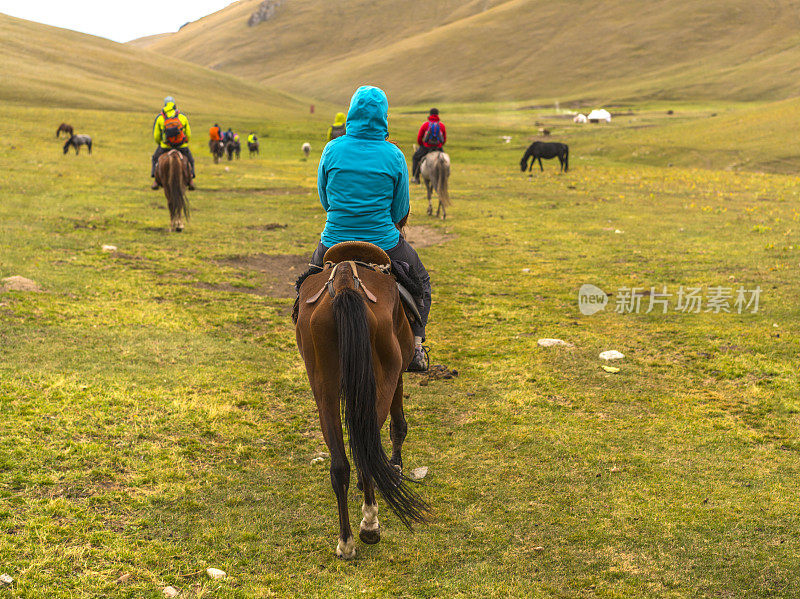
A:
x: 169, y: 99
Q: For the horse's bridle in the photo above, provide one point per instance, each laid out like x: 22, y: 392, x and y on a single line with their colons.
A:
x: 354, y: 269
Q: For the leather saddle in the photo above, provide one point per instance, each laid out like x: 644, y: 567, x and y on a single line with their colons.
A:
x: 362, y: 253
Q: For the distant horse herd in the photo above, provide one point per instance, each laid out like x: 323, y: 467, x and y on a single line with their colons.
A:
x: 172, y: 170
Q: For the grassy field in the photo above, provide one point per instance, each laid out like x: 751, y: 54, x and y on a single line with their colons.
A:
x: 495, y: 50
x: 157, y: 419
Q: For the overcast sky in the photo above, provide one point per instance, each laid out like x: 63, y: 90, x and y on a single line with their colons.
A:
x: 118, y: 20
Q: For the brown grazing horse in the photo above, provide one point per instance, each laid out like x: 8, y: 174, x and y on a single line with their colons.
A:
x: 173, y: 174
x: 355, y: 340
x: 63, y: 127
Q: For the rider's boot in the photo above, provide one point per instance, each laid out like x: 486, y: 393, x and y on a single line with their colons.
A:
x: 420, y: 361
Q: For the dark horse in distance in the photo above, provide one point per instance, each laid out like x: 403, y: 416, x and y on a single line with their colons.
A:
x: 356, y: 342
x: 217, y: 149
x: 67, y: 129
x: 233, y: 146
x: 546, y: 150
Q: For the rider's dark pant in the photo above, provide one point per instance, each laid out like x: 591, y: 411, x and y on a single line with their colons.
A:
x: 402, y: 252
x: 421, y: 152
x: 159, y: 151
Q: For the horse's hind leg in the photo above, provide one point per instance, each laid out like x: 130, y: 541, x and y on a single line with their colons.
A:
x: 340, y: 472
x: 369, y: 531
x: 541, y: 168
x: 429, y: 189
x: 398, y: 427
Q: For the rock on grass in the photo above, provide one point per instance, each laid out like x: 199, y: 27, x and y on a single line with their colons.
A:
x: 18, y: 283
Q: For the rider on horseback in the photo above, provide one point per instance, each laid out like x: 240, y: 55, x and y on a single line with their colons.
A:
x: 431, y: 138
x: 338, y: 128
x: 172, y: 132
x: 363, y: 186
x: 215, y: 133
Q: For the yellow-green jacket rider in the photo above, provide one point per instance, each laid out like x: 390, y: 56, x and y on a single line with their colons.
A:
x: 338, y: 128
x: 171, y: 131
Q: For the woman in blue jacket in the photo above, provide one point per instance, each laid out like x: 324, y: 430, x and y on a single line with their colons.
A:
x: 363, y: 186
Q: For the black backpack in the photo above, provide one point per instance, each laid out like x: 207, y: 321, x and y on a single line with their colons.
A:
x: 338, y: 131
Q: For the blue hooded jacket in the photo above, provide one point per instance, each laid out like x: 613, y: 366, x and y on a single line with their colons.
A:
x: 362, y: 178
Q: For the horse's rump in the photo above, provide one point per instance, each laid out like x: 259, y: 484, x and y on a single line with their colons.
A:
x: 172, y: 172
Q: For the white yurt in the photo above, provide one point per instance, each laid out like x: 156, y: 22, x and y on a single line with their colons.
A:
x: 600, y: 115
x: 580, y: 118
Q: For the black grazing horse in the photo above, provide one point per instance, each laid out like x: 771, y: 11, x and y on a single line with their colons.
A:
x: 546, y: 150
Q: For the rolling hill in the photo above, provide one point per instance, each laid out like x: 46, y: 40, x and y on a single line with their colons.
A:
x: 48, y: 66
x: 486, y: 50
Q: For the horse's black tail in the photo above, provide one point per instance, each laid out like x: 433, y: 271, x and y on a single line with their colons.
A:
x: 566, y: 158
x: 359, y: 394
x: 177, y: 196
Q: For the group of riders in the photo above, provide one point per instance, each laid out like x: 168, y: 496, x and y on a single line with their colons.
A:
x: 362, y: 180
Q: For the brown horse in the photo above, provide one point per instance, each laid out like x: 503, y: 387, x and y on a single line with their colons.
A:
x: 173, y: 174
x: 63, y: 127
x: 355, y: 340
x: 217, y: 149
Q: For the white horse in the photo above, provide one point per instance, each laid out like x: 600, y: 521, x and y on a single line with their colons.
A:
x: 306, y: 147
x: 435, y: 171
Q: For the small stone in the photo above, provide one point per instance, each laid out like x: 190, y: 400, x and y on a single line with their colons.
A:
x: 546, y: 342
x: 170, y: 592
x: 227, y: 169
x: 18, y: 283
x: 611, y: 354
x: 526, y: 270
x: 618, y: 232
x: 419, y: 473
x: 109, y: 248
x: 215, y: 573
x: 317, y: 460
x: 6, y: 578
x: 615, y: 469
x: 538, y: 548
x: 123, y: 579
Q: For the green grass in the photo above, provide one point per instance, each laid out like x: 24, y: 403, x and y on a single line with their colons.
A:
x: 156, y: 427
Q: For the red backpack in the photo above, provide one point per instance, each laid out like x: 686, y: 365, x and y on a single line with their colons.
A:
x: 173, y: 130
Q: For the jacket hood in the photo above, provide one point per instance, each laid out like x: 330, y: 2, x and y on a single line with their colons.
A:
x: 368, y: 114
x: 169, y: 108
x: 433, y: 117
x: 339, y: 120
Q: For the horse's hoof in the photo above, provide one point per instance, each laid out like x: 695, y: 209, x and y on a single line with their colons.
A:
x: 370, y: 537
x: 346, y: 550
x: 178, y: 229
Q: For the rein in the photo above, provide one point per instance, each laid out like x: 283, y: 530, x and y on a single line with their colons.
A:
x: 384, y: 268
